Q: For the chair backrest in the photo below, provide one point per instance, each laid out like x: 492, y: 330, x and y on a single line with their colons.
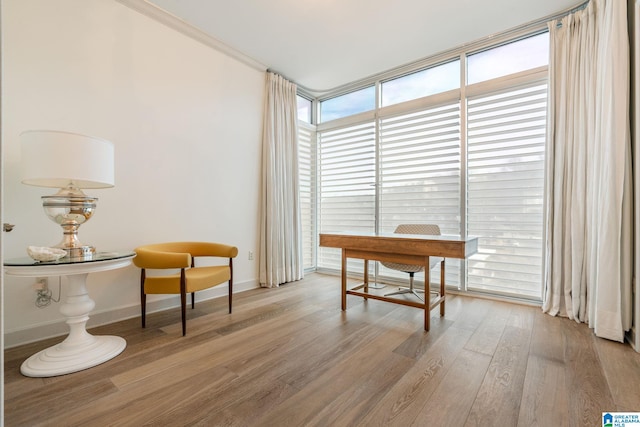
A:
x: 429, y: 229
x: 179, y: 254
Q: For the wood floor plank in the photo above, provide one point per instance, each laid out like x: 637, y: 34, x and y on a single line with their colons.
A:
x: 450, y: 403
x: 548, y: 339
x: 589, y: 393
x: 290, y: 356
x: 622, y: 371
x: 264, y: 381
x: 138, y: 406
x: 38, y: 406
x: 261, y: 379
x: 498, y: 400
x: 489, y: 331
x: 215, y: 351
x: 545, y: 394
x: 361, y: 398
x: 404, y: 401
x: 522, y: 316
x: 335, y: 387
x: 544, y: 397
x: 474, y: 313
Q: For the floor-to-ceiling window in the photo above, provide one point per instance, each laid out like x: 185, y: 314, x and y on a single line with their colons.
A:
x: 419, y: 172
x: 458, y: 143
x: 505, y: 184
x: 307, y: 155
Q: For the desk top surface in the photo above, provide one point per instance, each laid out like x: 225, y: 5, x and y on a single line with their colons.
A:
x: 439, y: 237
x: 449, y: 246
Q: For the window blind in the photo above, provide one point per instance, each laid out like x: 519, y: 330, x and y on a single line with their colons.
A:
x: 347, y: 163
x: 420, y: 175
x: 307, y: 177
x: 505, y: 159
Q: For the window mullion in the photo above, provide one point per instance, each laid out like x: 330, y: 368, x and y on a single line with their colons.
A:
x: 463, y: 165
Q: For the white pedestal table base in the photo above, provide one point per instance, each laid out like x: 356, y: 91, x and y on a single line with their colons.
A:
x: 80, y: 350
x: 61, y: 359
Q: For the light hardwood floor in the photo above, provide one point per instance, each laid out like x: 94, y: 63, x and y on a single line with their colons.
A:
x: 291, y: 357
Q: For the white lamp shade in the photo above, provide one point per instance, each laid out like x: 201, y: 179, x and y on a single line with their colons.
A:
x: 59, y: 159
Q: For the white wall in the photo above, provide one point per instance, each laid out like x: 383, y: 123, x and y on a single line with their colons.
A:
x: 186, y: 122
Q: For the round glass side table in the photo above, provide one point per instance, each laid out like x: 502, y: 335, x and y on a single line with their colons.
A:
x: 79, y: 350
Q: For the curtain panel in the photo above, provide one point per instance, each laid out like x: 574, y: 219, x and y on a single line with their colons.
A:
x: 588, y: 198
x: 280, y: 226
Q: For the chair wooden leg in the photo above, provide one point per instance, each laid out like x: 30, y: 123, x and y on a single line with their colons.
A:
x: 183, y: 301
x: 193, y: 300
x: 183, y: 305
x: 143, y: 299
x: 230, y: 285
x: 143, y: 303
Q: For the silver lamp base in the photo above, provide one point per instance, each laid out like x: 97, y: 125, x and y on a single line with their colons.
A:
x: 80, y: 252
x: 70, y: 208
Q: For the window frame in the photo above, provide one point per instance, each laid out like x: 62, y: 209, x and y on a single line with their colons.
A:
x: 464, y: 92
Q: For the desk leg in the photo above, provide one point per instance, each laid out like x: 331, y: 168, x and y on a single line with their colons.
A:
x: 442, y: 288
x: 344, y: 279
x: 366, y: 276
x: 427, y: 295
x: 80, y: 350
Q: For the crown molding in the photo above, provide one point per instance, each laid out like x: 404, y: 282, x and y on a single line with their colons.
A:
x: 160, y: 15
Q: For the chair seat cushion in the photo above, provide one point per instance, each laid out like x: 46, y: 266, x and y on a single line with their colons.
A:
x: 198, y: 278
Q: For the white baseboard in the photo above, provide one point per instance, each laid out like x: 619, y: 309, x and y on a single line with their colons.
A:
x: 97, y: 318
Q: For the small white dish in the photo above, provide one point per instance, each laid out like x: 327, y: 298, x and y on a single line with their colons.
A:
x: 41, y: 253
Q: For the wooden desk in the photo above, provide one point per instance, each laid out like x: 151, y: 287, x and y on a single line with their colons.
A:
x: 401, y: 248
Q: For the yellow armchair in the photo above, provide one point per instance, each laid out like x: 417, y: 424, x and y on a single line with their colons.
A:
x: 181, y: 255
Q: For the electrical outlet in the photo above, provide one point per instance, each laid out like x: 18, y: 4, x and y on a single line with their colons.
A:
x: 250, y: 255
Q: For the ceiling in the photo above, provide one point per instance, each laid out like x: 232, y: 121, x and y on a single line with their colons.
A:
x: 324, y: 44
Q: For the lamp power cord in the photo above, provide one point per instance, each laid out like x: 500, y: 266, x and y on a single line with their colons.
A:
x: 45, y: 296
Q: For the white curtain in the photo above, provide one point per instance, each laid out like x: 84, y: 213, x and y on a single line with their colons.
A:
x: 588, y: 197
x: 280, y: 226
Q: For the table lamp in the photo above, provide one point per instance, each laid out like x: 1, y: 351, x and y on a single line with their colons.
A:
x: 70, y: 162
